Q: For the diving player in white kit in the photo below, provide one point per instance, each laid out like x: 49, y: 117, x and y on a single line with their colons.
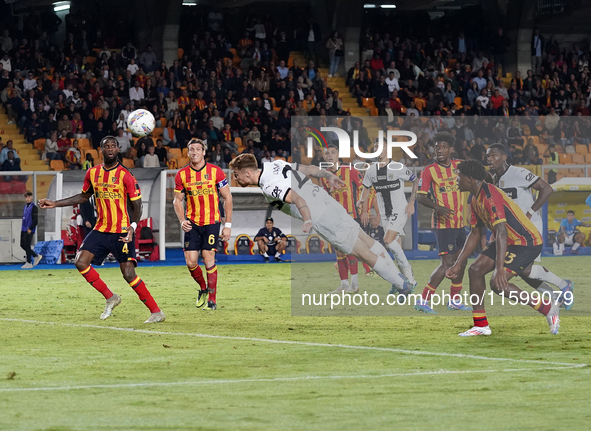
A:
x: 286, y: 187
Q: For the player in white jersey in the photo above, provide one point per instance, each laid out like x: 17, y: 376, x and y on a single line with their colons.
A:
x: 287, y: 187
x: 387, y: 178
x: 518, y: 183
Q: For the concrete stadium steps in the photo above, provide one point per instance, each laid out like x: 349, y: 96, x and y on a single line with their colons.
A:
x: 30, y: 157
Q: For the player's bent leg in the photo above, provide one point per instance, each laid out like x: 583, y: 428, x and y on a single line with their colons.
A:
x: 212, y: 278
x: 547, y: 306
x: 82, y: 263
x: 263, y: 247
x: 375, y: 255
x: 541, y: 274
x: 137, y: 284
x: 578, y: 239
x: 391, y: 239
x: 476, y: 272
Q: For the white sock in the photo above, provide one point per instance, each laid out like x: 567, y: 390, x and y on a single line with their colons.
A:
x: 540, y: 273
x: 265, y: 254
x: 575, y: 246
x: 401, y: 260
x: 378, y: 249
x: 544, y: 287
x: 277, y: 254
x: 354, y: 279
x: 387, y: 270
x: 345, y: 284
x: 556, y: 248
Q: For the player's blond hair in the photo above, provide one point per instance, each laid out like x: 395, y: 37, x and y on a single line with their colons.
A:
x: 244, y: 161
x: 197, y: 141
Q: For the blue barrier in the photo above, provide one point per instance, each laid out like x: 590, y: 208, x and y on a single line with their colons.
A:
x: 50, y: 250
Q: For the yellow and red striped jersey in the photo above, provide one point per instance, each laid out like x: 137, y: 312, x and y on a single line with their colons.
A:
x: 111, y: 187
x: 492, y: 206
x: 439, y: 181
x: 347, y: 195
x: 201, y: 191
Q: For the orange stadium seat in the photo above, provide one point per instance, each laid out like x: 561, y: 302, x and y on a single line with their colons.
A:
x: 183, y: 161
x: 582, y: 149
x: 185, y: 152
x: 588, y: 158
x: 84, y: 143
x: 128, y: 163
x: 576, y: 172
x: 157, y: 132
x: 39, y: 144
x: 57, y: 165
x: 176, y: 153
x: 93, y: 152
x: 578, y: 159
x: 565, y: 159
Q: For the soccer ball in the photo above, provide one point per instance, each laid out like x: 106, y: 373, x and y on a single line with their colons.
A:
x: 141, y: 122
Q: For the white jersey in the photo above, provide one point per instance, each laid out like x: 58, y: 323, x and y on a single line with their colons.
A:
x: 516, y: 183
x: 279, y: 177
x: 330, y: 219
x: 389, y: 187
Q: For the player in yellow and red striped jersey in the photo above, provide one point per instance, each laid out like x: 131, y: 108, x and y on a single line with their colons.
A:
x: 112, y: 185
x: 517, y: 244
x: 438, y: 190
x: 347, y: 196
x: 201, y: 184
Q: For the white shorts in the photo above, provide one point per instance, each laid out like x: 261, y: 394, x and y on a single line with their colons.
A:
x: 540, y: 226
x: 338, y: 228
x: 569, y: 239
x: 395, y: 222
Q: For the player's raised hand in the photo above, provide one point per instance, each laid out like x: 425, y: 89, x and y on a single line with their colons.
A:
x: 186, y: 225
x: 226, y: 232
x: 129, y: 236
x: 46, y: 204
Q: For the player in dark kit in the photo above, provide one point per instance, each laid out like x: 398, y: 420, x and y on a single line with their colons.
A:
x: 112, y: 184
x: 200, y: 182
x: 271, y: 241
x: 517, y: 244
x: 438, y: 190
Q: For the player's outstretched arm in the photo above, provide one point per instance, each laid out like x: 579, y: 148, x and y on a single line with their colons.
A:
x: 316, y: 172
x: 227, y: 230
x: 80, y: 198
x: 469, y: 246
x: 300, y: 203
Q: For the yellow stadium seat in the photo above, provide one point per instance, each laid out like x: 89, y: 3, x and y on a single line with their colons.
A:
x: 582, y: 149
x: 588, y: 158
x: 565, y: 158
x: 578, y: 159
x: 176, y: 153
x: 91, y: 151
x: 185, y: 152
x: 57, y: 165
x: 182, y: 161
x: 84, y: 144
x: 39, y: 144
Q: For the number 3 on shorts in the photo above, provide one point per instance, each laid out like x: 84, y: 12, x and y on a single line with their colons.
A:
x: 211, y: 240
x: 509, y: 257
x: 125, y: 248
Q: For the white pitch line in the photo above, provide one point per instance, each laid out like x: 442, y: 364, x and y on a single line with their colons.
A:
x: 278, y: 379
x: 299, y: 343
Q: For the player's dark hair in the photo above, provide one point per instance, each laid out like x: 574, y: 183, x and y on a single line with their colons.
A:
x: 332, y: 144
x: 445, y: 137
x: 28, y: 193
x: 570, y: 212
x: 473, y: 169
x: 499, y: 147
x: 109, y: 138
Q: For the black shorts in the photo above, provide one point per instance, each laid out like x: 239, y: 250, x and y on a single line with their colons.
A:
x: 202, y: 237
x: 101, y: 244
x: 517, y: 257
x: 451, y: 240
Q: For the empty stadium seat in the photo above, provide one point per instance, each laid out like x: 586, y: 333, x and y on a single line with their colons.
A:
x: 185, y: 152
x: 565, y: 158
x: 183, y: 161
x: 582, y: 149
x: 128, y: 163
x: 576, y: 172
x: 93, y: 152
x: 293, y: 245
x: 176, y: 153
x: 243, y: 245
x: 84, y: 144
x: 314, y: 245
x: 578, y: 159
x: 57, y: 165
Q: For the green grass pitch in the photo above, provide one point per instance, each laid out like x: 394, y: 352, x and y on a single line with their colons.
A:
x: 61, y: 368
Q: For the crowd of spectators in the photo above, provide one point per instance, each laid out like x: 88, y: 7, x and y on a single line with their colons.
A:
x: 220, y: 90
